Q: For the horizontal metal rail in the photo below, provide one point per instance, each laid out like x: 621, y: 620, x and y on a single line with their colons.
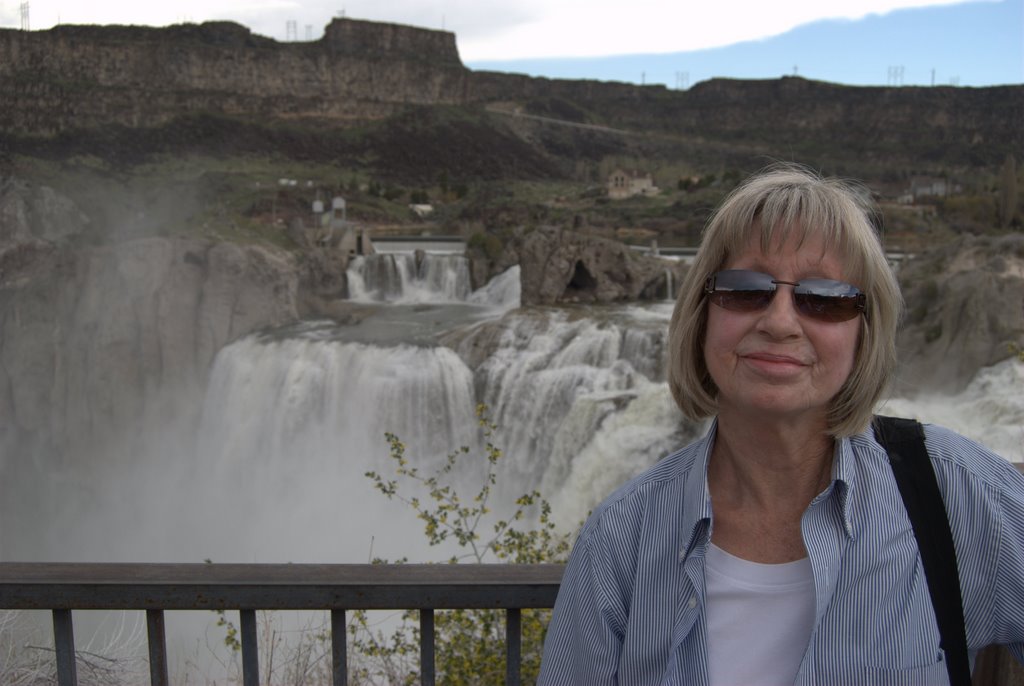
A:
x: 63, y: 587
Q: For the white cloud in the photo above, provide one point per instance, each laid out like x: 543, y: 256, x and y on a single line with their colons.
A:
x: 586, y: 28
x: 493, y: 29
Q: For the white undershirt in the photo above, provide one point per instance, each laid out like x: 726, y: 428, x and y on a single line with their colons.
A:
x: 759, y: 619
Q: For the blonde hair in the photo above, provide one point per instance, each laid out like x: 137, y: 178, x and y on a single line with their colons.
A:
x: 779, y: 202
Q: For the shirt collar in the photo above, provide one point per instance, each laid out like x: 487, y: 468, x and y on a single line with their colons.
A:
x: 844, y: 477
x: 696, y: 496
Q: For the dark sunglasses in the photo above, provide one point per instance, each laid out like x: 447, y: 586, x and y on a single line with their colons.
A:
x: 742, y: 290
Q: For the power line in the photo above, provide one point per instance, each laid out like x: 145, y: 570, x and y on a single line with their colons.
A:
x: 895, y: 76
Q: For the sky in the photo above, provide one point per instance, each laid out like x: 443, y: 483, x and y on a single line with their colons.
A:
x: 572, y: 38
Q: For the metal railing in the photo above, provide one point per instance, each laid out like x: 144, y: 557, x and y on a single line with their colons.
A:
x: 64, y: 587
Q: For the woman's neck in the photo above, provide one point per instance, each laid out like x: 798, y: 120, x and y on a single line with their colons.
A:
x: 762, y: 477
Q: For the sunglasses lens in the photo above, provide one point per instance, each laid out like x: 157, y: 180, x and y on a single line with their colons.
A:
x: 741, y: 290
x: 827, y: 300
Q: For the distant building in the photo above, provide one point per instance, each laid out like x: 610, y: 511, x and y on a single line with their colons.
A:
x: 421, y: 210
x: 622, y: 184
x: 928, y: 187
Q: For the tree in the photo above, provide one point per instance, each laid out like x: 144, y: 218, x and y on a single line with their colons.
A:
x: 470, y: 645
x: 1007, y: 191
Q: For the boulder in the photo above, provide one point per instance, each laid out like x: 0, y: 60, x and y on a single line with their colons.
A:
x: 965, y: 307
x: 561, y: 266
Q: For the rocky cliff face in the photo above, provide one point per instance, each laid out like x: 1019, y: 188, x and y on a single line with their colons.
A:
x: 566, y: 267
x: 100, y: 337
x: 80, y: 77
x: 72, y: 78
x: 965, y: 306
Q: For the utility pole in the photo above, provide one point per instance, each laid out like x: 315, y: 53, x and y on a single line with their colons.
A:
x: 24, y: 16
x: 291, y: 30
x: 895, y: 75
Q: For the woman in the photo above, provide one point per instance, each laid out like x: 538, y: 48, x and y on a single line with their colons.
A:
x: 777, y: 549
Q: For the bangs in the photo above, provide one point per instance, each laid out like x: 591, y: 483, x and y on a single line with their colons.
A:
x: 796, y: 211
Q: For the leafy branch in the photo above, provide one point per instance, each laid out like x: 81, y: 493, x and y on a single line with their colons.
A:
x: 469, y: 647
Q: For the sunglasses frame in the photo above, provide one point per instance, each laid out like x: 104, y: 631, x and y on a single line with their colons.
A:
x: 849, y: 301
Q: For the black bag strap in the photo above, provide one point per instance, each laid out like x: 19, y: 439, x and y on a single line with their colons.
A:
x: 903, y: 439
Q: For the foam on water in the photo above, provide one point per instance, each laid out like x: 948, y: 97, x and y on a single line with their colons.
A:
x: 990, y: 410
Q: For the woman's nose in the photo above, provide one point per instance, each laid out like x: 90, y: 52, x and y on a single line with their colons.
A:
x: 780, y: 318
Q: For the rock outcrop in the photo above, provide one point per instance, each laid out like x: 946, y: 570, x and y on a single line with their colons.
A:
x: 82, y: 77
x: 116, y: 336
x: 965, y: 306
x: 560, y: 266
x: 96, y: 78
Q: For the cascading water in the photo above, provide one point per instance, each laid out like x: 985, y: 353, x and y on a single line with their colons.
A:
x: 289, y: 408
x: 409, y: 278
x: 552, y: 378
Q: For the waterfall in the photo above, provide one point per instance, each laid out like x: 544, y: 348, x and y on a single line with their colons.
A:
x: 503, y: 291
x: 553, y: 381
x: 295, y: 414
x: 670, y: 290
x: 311, y: 399
x: 291, y: 424
x: 404, y: 278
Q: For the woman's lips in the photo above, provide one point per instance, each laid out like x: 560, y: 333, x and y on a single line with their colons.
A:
x: 774, y: 364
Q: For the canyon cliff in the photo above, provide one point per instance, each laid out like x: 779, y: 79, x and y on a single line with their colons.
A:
x: 71, y: 80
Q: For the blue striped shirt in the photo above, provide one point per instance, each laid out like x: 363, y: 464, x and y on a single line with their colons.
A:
x: 631, y: 606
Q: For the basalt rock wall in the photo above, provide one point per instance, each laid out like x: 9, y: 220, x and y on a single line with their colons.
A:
x: 568, y: 267
x: 80, y: 77
x: 76, y: 77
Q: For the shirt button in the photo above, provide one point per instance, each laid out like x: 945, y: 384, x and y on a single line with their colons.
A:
x: 693, y: 603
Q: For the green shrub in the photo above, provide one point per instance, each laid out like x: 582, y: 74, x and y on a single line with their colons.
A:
x: 470, y: 643
x: 487, y: 243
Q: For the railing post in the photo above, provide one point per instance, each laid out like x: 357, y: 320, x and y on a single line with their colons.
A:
x: 513, y: 645
x: 339, y: 648
x: 64, y: 643
x: 250, y: 650
x: 426, y: 647
x: 157, y: 648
